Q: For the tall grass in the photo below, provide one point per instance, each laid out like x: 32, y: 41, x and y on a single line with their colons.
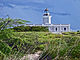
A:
x: 53, y: 46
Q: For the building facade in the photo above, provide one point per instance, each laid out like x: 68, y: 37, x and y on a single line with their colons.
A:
x: 54, y: 28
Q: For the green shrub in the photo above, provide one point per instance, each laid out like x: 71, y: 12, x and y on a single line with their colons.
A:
x: 65, y: 33
x: 28, y: 28
x: 58, y: 36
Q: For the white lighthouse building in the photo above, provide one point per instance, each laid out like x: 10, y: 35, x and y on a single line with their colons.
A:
x: 54, y: 28
x: 46, y: 17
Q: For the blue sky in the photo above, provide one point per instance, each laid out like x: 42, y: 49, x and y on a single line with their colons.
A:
x: 62, y: 11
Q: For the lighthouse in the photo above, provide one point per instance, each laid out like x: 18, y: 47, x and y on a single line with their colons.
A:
x: 46, y: 17
x: 54, y: 28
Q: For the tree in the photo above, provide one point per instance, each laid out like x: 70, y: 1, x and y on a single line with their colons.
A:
x: 8, y: 22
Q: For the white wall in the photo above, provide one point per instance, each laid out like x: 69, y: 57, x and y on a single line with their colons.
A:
x: 59, y: 28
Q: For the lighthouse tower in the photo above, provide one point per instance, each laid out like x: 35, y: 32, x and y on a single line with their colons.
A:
x: 46, y: 17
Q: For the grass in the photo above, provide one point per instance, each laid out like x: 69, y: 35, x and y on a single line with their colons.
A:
x: 61, y: 45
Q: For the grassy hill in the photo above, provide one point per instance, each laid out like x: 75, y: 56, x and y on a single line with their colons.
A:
x: 64, y: 46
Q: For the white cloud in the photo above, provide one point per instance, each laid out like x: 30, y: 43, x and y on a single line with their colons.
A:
x: 37, y: 1
x: 13, y: 5
x: 21, y: 1
x: 21, y: 6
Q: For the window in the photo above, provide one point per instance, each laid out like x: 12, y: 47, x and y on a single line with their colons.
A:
x: 64, y: 29
x: 56, y: 29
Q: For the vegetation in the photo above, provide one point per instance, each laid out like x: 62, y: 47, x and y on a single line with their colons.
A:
x: 8, y: 41
x: 28, y: 29
x: 54, y: 46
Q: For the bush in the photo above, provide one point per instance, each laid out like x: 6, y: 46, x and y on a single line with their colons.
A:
x: 28, y: 28
x: 65, y: 33
x: 58, y: 36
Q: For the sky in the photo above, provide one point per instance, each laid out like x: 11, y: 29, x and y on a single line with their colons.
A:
x: 62, y: 11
